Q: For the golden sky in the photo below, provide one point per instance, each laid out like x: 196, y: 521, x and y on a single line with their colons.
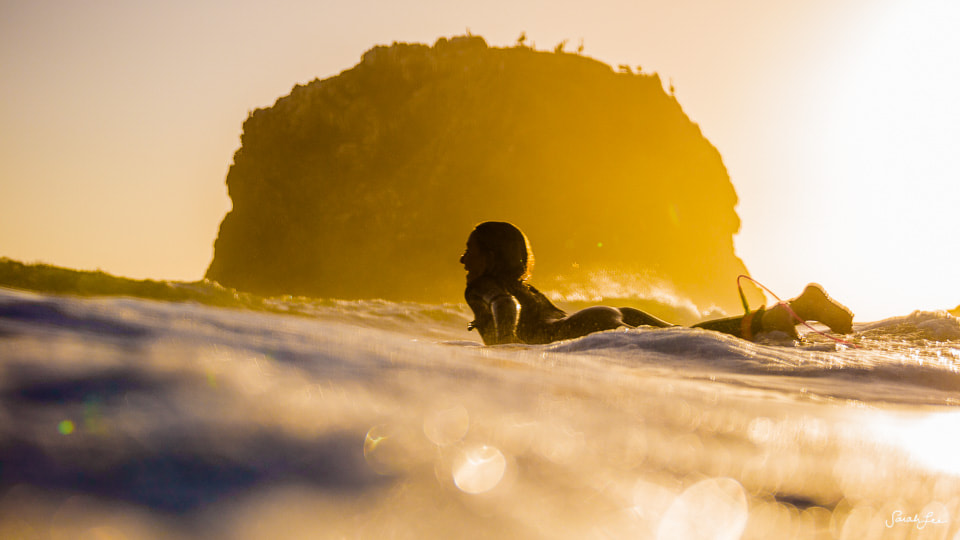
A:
x: 837, y: 120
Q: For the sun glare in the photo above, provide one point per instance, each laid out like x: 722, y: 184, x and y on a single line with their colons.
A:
x: 930, y: 440
x: 890, y: 151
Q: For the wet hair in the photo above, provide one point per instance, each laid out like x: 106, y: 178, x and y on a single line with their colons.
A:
x: 508, y: 251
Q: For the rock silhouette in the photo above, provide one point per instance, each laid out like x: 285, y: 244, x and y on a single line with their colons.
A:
x: 366, y: 184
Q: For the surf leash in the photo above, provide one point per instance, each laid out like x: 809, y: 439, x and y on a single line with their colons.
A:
x: 746, y: 309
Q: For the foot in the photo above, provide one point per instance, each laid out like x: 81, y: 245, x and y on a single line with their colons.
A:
x: 815, y: 305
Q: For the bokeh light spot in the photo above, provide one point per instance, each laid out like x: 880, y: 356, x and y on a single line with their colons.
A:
x: 673, y: 214
x: 65, y: 427
x: 446, y: 426
x: 391, y: 449
x: 379, y: 451
x: 479, y: 469
x: 714, y: 509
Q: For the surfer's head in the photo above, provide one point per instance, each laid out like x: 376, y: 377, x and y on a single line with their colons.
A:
x: 498, y: 249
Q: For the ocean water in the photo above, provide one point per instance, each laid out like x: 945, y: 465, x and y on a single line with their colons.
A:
x: 132, y: 418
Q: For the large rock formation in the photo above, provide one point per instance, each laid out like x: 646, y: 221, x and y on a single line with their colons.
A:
x: 367, y: 184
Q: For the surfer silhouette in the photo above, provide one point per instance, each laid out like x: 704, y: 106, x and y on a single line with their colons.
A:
x: 498, y: 261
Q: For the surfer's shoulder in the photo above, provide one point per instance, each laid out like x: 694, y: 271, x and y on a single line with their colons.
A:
x: 486, y: 289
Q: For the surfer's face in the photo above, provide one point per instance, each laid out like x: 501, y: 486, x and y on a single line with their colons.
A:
x: 474, y: 261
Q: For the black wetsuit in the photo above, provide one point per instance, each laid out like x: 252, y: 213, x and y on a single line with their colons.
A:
x: 537, y: 312
x: 542, y: 322
x: 744, y: 326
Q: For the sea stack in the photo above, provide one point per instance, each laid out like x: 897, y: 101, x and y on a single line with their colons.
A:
x: 366, y: 184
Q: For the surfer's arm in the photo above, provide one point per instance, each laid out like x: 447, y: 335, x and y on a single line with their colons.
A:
x: 506, y: 315
x: 496, y: 312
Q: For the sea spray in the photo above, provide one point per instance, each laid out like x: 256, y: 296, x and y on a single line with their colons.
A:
x: 380, y: 419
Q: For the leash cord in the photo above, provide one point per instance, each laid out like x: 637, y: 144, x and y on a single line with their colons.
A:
x: 746, y: 308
